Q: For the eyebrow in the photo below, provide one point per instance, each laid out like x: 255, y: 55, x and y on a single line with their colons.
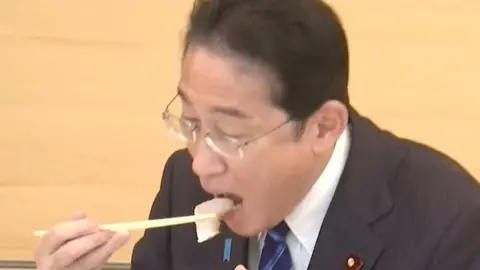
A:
x: 229, y: 111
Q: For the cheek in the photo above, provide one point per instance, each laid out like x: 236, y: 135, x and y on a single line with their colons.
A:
x: 250, y: 180
x: 258, y: 178
x: 266, y: 168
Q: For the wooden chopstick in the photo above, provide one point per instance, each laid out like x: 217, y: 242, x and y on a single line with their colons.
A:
x: 148, y: 224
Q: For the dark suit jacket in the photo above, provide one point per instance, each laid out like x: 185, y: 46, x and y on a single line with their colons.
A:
x: 399, y: 206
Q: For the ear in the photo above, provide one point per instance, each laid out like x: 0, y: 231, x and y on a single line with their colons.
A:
x: 326, y: 125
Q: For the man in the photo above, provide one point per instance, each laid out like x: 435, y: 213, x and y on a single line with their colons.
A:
x: 267, y: 122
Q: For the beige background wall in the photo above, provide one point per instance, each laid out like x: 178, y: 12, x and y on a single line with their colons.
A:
x: 83, y: 84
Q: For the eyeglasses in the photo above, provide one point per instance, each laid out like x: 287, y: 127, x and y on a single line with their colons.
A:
x: 225, y: 146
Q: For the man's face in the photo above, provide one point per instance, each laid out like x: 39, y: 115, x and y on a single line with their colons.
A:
x: 228, y: 97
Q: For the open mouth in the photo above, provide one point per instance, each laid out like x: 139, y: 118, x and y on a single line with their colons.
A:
x: 237, y: 201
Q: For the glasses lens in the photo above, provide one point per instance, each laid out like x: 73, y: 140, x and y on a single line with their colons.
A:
x: 224, y: 147
x: 180, y: 128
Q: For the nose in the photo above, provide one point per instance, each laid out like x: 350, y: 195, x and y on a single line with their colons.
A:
x: 206, y: 164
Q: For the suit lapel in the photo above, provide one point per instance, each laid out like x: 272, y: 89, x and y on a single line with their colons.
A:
x: 234, y: 249
x: 344, y: 237
x: 347, y: 239
x: 224, y: 252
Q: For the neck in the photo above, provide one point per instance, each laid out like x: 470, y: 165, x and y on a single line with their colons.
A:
x: 318, y: 165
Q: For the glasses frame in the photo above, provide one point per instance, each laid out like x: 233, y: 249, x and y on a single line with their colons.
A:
x: 239, y: 147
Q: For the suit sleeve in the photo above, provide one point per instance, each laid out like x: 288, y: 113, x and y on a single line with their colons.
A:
x: 152, y: 251
x: 460, y: 246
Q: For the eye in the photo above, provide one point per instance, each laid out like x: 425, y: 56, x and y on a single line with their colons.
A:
x: 189, y: 122
x: 232, y: 136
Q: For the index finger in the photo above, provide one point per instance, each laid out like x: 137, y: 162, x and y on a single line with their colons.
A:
x: 64, y: 232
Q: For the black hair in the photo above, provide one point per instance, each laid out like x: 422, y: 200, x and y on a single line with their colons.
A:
x: 302, y: 42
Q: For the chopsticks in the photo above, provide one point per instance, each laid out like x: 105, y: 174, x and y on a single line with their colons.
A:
x: 148, y: 224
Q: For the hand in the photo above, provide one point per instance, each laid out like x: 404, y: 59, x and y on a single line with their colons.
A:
x: 79, y: 244
x: 240, y: 267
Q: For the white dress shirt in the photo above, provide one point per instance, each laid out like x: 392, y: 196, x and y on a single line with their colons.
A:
x: 306, y: 220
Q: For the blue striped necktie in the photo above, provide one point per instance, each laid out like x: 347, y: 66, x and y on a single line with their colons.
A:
x: 275, y: 253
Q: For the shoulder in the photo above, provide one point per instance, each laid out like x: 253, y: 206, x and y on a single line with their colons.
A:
x: 433, y: 177
x: 180, y: 184
x: 421, y: 180
x: 433, y: 194
x: 179, y: 167
x: 436, y: 205
x: 178, y: 160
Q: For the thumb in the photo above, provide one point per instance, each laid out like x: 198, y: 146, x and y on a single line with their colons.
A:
x: 240, y: 267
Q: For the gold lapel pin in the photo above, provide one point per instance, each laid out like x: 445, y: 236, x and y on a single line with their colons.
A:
x: 354, y: 262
